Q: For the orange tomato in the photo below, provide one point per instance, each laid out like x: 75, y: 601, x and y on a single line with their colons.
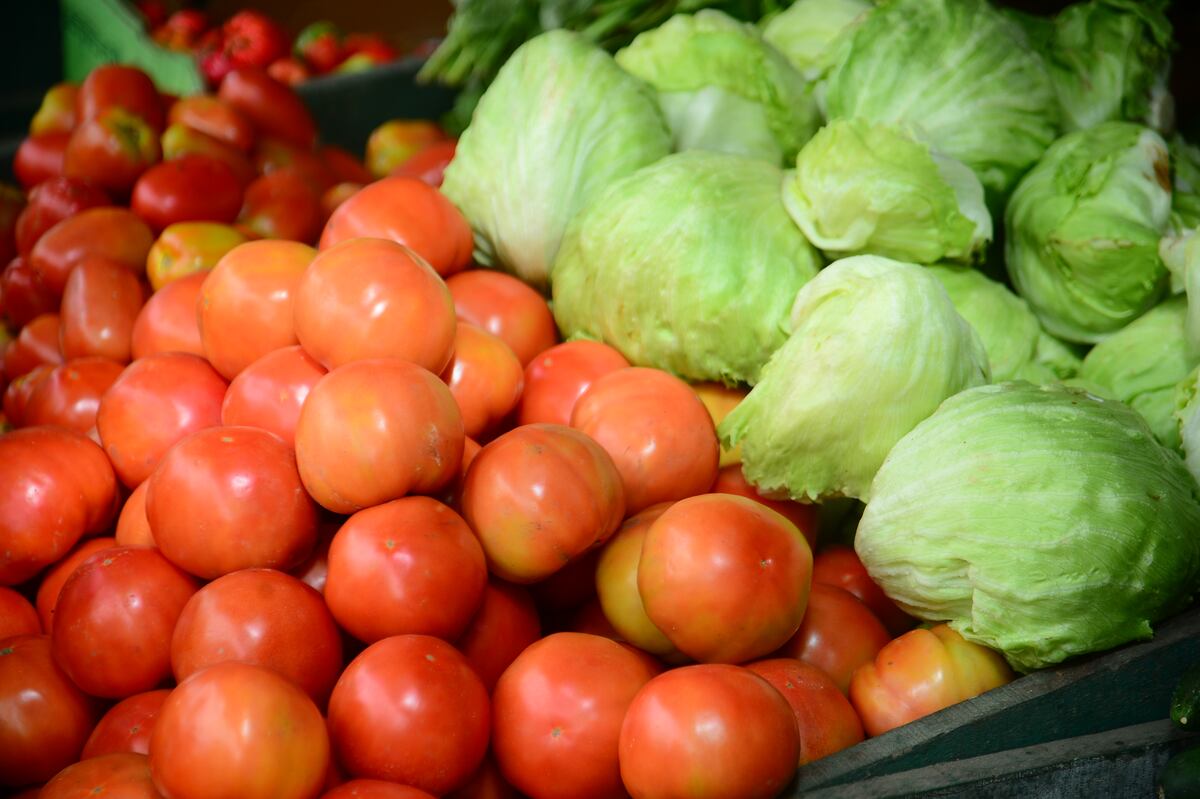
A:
x: 485, y: 378
x: 507, y: 308
x: 720, y: 401
x: 133, y: 526
x: 556, y: 378
x: 270, y: 392
x: 167, y: 322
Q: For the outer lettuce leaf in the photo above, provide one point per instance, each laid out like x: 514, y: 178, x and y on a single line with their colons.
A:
x: 1185, y: 197
x: 809, y: 32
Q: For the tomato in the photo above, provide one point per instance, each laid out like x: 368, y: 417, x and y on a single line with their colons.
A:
x: 725, y: 579
x: 838, y: 634
x: 70, y: 394
x: 191, y: 188
x: 17, y: 615
x: 372, y: 431
x: 235, y: 729
x: 730, y: 480
x: 396, y: 141
x: 346, y: 168
x: 920, y: 673
x: 123, y: 775
x: 657, y: 431
x: 273, y: 109
x: 100, y: 304
x: 263, y: 617
x: 56, y: 114
x: 337, y: 194
x: 825, y: 718
x: 277, y: 155
x: 167, y: 322
x: 51, y: 202
x: 411, y: 710
x: 270, y: 392
x: 18, y: 392
x: 52, y: 581
x: 314, y: 571
x: 156, y: 401
x: 410, y: 212
x: 180, y: 140
x: 245, y: 305
x: 218, y: 483
x: 289, y: 71
x: 213, y: 117
x: 112, y: 151
x: 569, y: 588
x: 539, y: 497
x: 375, y: 789
x: 429, y: 164
x: 507, y: 308
x: 36, y: 345
x: 590, y: 619
x: 555, y: 379
x: 839, y: 566
x: 407, y: 566
x: 12, y: 203
x: 113, y: 621
x: 254, y: 39
x: 708, y: 731
x: 182, y: 30
x: 23, y: 294
x: 485, y: 378
x: 127, y: 725
x: 503, y: 626
x: 320, y: 46
x: 114, y: 85
x: 185, y: 248
x: 113, y: 233
x: 133, y: 527
x: 55, y: 487
x: 617, y: 585
x: 720, y: 400
x: 46, y: 718
x: 40, y: 158
x: 281, y: 205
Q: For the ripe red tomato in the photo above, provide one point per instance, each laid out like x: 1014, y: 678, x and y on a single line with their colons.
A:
x: 56, y: 114
x: 17, y: 615
x: 337, y: 194
x: 275, y: 155
x: 100, y: 305
x: 213, y: 117
x: 113, y: 233
x: 116, y: 85
x: 920, y: 673
x: 539, y: 497
x: 429, y: 165
x: 506, y: 622
x: 127, y: 725
x: 708, y: 731
x: 407, y: 566
x: 839, y: 566
x: 253, y: 39
x: 725, y: 579
x: 373, y: 431
x: 838, y: 634
x: 40, y: 158
x: 245, y: 305
x: 590, y: 619
x: 730, y: 480
x: 51, y: 202
x: 133, y: 528
x: 557, y: 713
x: 314, y: 571
x: 167, y: 322
x: 270, y: 392
x: 506, y: 308
x: 23, y: 294
x: 282, y: 205
x: 218, y: 483
x: 53, y: 579
x: 188, y: 247
x: 375, y: 789
x: 191, y: 188
x: 36, y: 345
x: 156, y: 401
x: 272, y: 108
x: 124, y: 775
x: 112, y: 151
x: 397, y: 140
x: 411, y: 710
x: 346, y: 168
x: 409, y: 212
x: 825, y: 718
x: 46, y: 718
x: 485, y: 378
x: 555, y: 379
x: 180, y: 140
x: 487, y: 783
x: 18, y: 392
x: 12, y: 202
x: 70, y: 394
x: 263, y: 617
x: 235, y: 729
x: 113, y: 621
x: 569, y: 588
x: 617, y: 585
x: 55, y: 487
x: 370, y: 298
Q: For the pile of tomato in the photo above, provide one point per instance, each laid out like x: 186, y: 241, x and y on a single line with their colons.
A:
x: 348, y: 520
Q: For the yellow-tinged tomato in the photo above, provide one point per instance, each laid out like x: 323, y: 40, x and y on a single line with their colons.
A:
x: 720, y: 401
x: 394, y: 142
x: 189, y: 247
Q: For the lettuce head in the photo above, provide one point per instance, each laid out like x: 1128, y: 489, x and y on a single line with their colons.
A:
x: 809, y: 32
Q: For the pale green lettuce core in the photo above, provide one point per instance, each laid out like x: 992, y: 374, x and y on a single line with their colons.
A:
x: 863, y: 187
x: 1181, y: 254
x: 560, y: 122
x: 876, y: 345
x: 809, y: 31
x: 1083, y: 230
x: 1037, y: 520
x: 1141, y: 364
x: 722, y: 87
x: 690, y: 265
x: 960, y: 74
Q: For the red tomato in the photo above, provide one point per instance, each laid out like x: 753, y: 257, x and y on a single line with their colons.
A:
x: 40, y: 158
x: 12, y: 202
x: 36, y: 345
x: 167, y: 322
x: 263, y: 617
x: 657, y: 431
x: 337, y: 194
x: 730, y: 480
x: 487, y: 783
x: 70, y: 394
x: 179, y: 140
x: 127, y: 725
x: 505, y: 624
x: 569, y: 588
x: 56, y: 114
x: 276, y: 155
x: 55, y: 487
x: 397, y: 140
x: 124, y: 775
x: 53, y: 579
x: 289, y: 71
x: 617, y: 585
x: 18, y: 392
x: 192, y: 188
x: 213, y: 117
x: 370, y: 298
x: 373, y: 431
x: 409, y: 212
x: 273, y: 109
x: 113, y: 621
x: 50, y: 203
x: 708, y: 731
x: 23, y: 294
x: 113, y: 233
x: 485, y: 378
x: 838, y: 634
x: 112, y: 151
x: 558, y: 377
x: 314, y: 571
x: 539, y: 497
x: 375, y: 789
x: 428, y: 165
x: 17, y: 615
x: 253, y: 39
x: 410, y: 709
x: 507, y: 308
x: 825, y: 718
x: 235, y: 729
x: 725, y: 579
x: 156, y: 401
x: 281, y: 205
x: 133, y: 528
x: 839, y: 566
x: 346, y: 168
x: 188, y: 247
x: 46, y: 718
x: 115, y: 85
x: 245, y: 305
x: 270, y: 392
x: 408, y: 566
x: 217, y: 484
x: 100, y: 304
x: 590, y: 619
x: 920, y: 673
